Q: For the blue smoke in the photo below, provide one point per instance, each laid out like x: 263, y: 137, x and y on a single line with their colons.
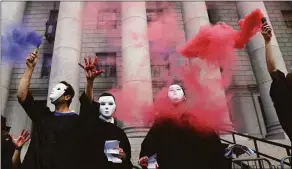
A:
x: 17, y: 41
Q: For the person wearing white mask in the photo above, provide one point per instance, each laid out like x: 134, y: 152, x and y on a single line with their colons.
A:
x: 176, y: 93
x: 107, y: 108
x: 102, y: 129
x: 112, y: 130
x: 55, y: 134
x: 179, y: 144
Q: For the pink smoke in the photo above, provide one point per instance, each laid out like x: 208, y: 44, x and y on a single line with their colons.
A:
x: 205, y: 105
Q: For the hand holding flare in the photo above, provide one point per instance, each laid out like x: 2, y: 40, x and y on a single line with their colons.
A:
x: 90, y: 68
x: 32, y: 59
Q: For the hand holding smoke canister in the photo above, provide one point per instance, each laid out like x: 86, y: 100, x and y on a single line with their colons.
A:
x: 265, y: 22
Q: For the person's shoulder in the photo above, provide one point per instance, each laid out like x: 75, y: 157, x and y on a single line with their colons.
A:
x: 119, y: 123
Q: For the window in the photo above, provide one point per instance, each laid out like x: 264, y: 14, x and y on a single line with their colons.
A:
x: 107, y: 19
x: 46, y: 66
x: 287, y: 14
x: 54, y: 15
x: 107, y: 62
x: 159, y: 70
x: 211, y: 14
x: 152, y: 14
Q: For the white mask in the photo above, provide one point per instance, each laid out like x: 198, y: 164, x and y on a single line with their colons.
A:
x: 175, y: 93
x: 107, y: 106
x: 57, y: 92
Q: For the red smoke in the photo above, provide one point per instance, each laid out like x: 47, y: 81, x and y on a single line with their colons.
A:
x: 206, y: 103
x: 217, y: 42
x: 249, y: 26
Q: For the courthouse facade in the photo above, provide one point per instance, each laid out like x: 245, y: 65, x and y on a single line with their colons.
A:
x: 251, y: 109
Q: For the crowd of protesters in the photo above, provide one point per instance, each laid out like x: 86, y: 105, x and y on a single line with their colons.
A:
x: 63, y: 139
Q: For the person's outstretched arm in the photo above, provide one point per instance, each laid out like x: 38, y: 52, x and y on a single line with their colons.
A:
x: 270, y: 60
x: 87, y: 106
x: 31, y: 61
x: 24, y: 96
x: 91, y: 73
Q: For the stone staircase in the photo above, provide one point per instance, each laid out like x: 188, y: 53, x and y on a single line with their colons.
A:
x: 265, y: 148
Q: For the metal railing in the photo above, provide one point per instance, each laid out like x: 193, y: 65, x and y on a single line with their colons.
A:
x: 258, y: 163
x: 259, y: 154
x: 237, y: 163
x: 282, y: 165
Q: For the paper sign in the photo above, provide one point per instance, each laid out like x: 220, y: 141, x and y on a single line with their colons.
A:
x: 152, y: 162
x: 111, y: 149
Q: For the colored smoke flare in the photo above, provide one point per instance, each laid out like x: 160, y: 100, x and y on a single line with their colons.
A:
x: 17, y: 42
x: 249, y: 26
x: 219, y: 41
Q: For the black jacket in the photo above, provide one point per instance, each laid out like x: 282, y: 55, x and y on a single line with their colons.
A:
x: 183, y: 147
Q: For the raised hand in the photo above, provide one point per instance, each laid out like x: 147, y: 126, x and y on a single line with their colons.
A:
x: 267, y: 32
x: 143, y: 162
x: 90, y: 68
x: 32, y: 59
x: 23, y: 138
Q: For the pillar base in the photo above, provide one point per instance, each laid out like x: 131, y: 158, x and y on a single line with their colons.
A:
x: 275, y: 132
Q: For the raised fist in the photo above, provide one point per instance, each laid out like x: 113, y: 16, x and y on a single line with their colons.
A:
x: 32, y: 59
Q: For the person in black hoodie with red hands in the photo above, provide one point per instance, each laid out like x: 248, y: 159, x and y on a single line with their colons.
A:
x: 178, y: 143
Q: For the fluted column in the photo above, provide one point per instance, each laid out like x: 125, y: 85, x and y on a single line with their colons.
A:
x: 136, y: 59
x: 67, y: 49
x: 11, y: 13
x: 195, y: 15
x: 256, y: 50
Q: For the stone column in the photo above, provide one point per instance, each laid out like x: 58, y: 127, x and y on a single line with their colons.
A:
x: 256, y: 50
x: 135, y: 58
x: 11, y: 13
x: 67, y: 49
x: 195, y: 15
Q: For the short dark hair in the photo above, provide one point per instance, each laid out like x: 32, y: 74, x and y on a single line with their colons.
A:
x: 69, y: 91
x: 107, y: 94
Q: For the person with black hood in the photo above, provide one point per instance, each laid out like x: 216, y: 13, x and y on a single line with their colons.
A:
x: 10, y: 147
x: 177, y: 143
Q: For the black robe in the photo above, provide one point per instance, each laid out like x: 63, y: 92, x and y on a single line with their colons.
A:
x: 183, y: 147
x: 7, y: 151
x: 281, y: 94
x: 98, y: 131
x: 113, y: 132
x: 56, y: 141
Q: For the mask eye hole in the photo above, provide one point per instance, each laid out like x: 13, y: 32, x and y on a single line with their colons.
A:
x: 102, y: 103
x: 59, y: 89
x: 111, y: 103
